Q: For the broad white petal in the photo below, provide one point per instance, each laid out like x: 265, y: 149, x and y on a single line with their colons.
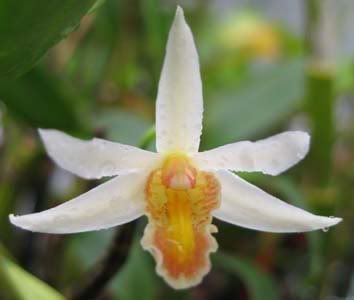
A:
x: 179, y: 104
x: 95, y: 158
x: 246, y: 205
x: 115, y: 202
x: 270, y: 156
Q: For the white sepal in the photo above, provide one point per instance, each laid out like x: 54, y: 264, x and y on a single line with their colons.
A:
x: 248, y: 206
x: 117, y: 201
x: 271, y: 156
x: 95, y: 158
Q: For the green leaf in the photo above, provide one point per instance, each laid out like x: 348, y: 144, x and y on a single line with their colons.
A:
x: 88, y: 247
x: 266, y: 98
x: 260, y: 285
x: 29, y: 28
x: 122, y: 126
x: 4, y: 252
x: 19, y: 284
x: 156, y: 24
x: 96, y: 6
x: 137, y: 280
x: 89, y: 63
x: 42, y: 101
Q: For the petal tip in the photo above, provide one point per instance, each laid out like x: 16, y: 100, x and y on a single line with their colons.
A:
x: 327, y: 222
x: 42, y: 131
x: 21, y: 222
x: 14, y: 220
x: 45, y: 133
x: 305, y: 136
x: 179, y: 11
x: 301, y: 140
x: 334, y: 221
x: 179, y: 19
x: 11, y: 218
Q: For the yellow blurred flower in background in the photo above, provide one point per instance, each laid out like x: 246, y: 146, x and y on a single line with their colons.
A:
x: 253, y: 36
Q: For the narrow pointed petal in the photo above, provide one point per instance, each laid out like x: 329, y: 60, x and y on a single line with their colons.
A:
x: 246, y: 205
x: 95, y: 158
x: 179, y: 106
x: 118, y: 201
x: 270, y: 156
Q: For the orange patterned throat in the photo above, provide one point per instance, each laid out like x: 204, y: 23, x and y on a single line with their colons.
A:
x: 180, y: 200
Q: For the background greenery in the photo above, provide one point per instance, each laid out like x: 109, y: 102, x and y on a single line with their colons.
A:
x: 91, y: 69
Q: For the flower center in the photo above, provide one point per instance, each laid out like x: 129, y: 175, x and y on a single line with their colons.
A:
x: 178, y: 173
x: 180, y: 199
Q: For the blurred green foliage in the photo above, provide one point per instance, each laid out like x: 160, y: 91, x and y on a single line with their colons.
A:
x: 38, y: 99
x: 17, y: 283
x: 100, y: 79
x: 260, y: 285
x: 29, y: 29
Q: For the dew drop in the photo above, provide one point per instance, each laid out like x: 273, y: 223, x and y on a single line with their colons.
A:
x: 325, y: 229
x: 299, y: 155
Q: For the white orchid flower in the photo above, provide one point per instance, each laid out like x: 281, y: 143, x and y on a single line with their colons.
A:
x: 178, y: 188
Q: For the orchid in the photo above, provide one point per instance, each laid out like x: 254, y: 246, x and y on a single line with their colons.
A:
x: 178, y: 188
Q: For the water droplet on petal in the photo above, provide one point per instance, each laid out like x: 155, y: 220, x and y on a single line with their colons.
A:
x: 299, y: 155
x: 325, y: 229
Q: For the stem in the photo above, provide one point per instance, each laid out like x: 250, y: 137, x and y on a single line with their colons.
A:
x: 320, y: 93
x: 107, y: 266
x: 320, y: 100
x: 320, y: 106
x: 147, y: 138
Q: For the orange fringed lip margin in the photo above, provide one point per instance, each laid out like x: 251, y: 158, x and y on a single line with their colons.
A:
x: 180, y: 200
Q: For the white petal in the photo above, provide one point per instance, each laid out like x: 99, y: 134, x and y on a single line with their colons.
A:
x: 270, y: 156
x: 246, y: 205
x: 179, y: 105
x: 115, y: 202
x: 95, y: 158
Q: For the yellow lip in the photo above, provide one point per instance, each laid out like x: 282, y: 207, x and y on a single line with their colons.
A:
x: 180, y: 200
